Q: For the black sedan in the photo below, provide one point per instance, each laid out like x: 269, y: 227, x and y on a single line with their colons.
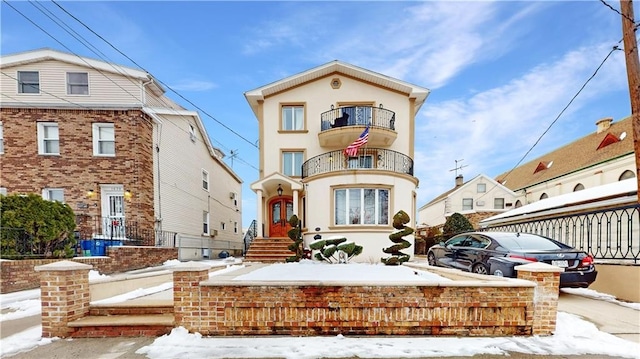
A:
x: 498, y: 253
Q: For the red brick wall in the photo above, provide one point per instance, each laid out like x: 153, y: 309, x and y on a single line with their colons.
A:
x: 76, y: 170
x: 20, y: 274
x: 354, y: 310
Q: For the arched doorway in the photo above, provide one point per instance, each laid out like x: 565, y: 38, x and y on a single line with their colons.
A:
x: 280, y: 210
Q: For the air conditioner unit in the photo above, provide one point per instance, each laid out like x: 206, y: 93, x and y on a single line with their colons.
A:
x: 479, y: 203
x: 232, y: 195
x: 214, y: 233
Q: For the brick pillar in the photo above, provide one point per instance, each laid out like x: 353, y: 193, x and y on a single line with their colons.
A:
x: 545, y: 296
x: 186, y: 294
x: 65, y: 297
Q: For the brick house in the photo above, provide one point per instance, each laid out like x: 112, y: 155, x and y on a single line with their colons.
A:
x: 104, y: 139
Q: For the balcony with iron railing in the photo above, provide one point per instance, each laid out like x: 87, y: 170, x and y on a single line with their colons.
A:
x: 367, y: 159
x: 339, y: 126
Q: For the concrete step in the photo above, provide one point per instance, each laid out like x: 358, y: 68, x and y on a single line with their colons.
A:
x: 103, y: 326
x: 125, y: 308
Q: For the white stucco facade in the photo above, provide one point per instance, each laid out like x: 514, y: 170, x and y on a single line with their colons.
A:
x: 335, y: 194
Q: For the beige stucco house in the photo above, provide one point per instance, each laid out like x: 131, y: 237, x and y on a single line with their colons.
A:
x: 105, y: 139
x: 476, y: 199
x: 306, y: 121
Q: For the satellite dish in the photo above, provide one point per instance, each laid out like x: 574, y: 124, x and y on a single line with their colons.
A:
x: 623, y: 135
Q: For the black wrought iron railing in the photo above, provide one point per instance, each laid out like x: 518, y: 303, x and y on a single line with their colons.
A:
x: 366, y: 159
x: 250, y: 235
x: 612, y: 233
x: 121, y: 229
x: 358, y: 116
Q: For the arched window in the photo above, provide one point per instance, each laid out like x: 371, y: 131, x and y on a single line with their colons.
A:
x: 518, y: 204
x: 578, y: 187
x: 544, y: 195
x: 626, y: 175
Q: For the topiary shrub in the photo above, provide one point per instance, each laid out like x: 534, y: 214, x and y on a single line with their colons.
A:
x: 456, y: 223
x: 295, y: 233
x: 335, y: 250
x: 397, y: 257
x: 47, y: 227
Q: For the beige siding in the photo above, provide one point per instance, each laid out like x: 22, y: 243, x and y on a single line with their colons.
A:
x: 105, y: 88
x: 183, y: 198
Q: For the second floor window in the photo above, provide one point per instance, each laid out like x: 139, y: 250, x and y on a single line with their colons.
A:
x: 292, y: 163
x: 482, y: 187
x: 48, y: 138
x: 467, y: 204
x: 28, y: 82
x: 498, y: 203
x: 104, y: 139
x: 77, y: 83
x: 292, y: 118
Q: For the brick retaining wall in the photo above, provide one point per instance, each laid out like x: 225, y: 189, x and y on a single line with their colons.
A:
x: 16, y: 275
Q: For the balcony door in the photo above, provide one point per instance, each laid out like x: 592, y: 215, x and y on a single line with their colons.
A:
x: 280, y: 210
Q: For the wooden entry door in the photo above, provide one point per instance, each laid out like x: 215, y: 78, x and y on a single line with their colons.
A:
x: 280, y: 210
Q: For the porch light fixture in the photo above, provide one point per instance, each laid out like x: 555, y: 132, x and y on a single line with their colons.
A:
x: 90, y: 193
x: 279, y: 190
x: 127, y: 195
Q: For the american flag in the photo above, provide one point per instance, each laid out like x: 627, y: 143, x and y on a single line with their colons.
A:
x: 352, y: 149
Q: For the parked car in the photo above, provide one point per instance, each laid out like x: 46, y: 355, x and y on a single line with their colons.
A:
x: 498, y: 253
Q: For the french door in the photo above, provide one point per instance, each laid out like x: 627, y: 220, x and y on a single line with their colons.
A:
x: 280, y: 210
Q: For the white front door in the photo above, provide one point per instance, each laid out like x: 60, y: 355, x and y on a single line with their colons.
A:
x: 112, y: 199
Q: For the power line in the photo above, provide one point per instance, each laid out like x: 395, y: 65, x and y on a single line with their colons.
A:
x: 617, y: 11
x: 164, y: 84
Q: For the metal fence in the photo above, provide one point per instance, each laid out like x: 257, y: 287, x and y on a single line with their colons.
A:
x: 17, y: 243
x: 250, y: 235
x: 608, y: 234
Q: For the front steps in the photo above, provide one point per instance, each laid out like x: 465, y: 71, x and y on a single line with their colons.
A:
x: 125, y: 320
x: 269, y: 250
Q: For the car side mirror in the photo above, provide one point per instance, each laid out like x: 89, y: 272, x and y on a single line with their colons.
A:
x: 442, y: 244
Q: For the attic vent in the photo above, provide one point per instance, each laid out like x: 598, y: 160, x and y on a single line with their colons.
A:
x: 609, y: 139
x: 543, y: 166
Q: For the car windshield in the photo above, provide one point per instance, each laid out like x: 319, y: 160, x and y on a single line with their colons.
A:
x: 525, y: 241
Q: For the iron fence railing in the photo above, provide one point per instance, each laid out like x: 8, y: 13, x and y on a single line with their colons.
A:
x: 366, y: 159
x: 612, y: 233
x: 17, y: 243
x: 127, y: 231
x: 250, y: 235
x: 358, y: 116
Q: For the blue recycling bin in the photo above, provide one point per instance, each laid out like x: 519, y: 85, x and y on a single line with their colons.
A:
x: 86, y: 245
x: 98, y: 248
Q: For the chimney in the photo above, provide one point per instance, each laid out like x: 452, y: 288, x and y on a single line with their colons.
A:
x: 459, y: 181
x: 603, y: 124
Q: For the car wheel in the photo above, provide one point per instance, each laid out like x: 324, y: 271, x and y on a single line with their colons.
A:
x: 480, y: 269
x: 431, y: 259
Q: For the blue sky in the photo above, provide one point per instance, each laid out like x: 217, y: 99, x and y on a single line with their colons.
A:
x: 500, y: 73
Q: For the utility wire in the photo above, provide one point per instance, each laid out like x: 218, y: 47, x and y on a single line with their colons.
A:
x: 619, y: 13
x: 86, y: 43
x: 503, y: 180
x: 164, y: 84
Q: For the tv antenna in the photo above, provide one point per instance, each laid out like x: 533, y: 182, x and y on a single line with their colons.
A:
x: 458, y: 167
x: 234, y: 153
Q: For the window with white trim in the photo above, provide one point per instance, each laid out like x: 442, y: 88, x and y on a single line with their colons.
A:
x: 292, y: 163
x: 29, y: 82
x: 361, y: 206
x: 205, y: 180
x: 467, y: 204
x: 365, y: 161
x: 223, y: 226
x: 48, y: 138
x: 1, y: 138
x: 293, y: 118
x: 3, y: 191
x: 482, y: 187
x: 205, y: 223
x: 104, y: 139
x: 53, y: 194
x: 77, y: 83
x: 498, y: 203
x: 235, y: 227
